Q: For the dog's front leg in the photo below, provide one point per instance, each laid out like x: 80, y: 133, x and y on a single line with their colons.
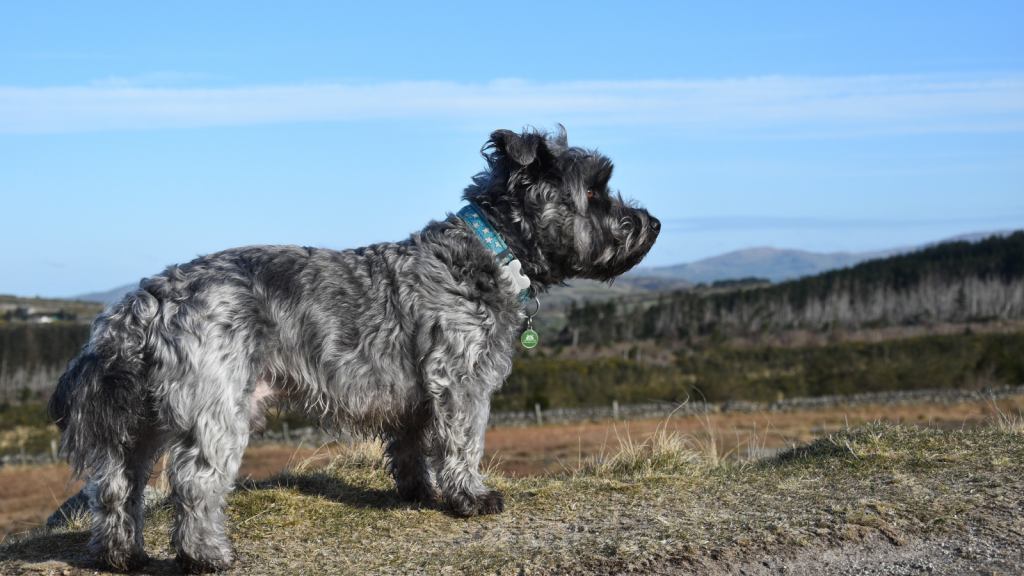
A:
x: 408, y: 456
x: 460, y: 420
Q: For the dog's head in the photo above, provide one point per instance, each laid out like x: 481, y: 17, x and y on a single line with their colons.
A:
x: 552, y: 204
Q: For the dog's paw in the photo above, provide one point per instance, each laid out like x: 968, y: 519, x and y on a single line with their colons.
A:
x: 423, y: 493
x: 490, y: 502
x: 125, y: 563
x: 202, y: 566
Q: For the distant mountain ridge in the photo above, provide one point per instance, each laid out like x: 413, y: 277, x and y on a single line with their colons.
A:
x: 763, y: 262
x: 782, y: 264
x: 109, y: 296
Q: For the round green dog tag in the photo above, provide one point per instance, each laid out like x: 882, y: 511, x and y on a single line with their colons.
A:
x: 529, y: 339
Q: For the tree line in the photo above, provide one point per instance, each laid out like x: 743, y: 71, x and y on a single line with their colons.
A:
x: 950, y: 282
x: 722, y: 373
x: 30, y: 347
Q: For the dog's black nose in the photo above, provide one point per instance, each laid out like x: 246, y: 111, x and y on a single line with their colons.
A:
x: 655, y: 224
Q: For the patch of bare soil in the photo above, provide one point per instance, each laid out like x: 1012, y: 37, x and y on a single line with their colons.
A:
x: 871, y: 554
x: 877, y: 554
x: 28, y: 494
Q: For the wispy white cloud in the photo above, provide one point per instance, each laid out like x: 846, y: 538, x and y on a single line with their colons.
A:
x: 154, y: 79
x: 771, y: 105
x: 700, y: 225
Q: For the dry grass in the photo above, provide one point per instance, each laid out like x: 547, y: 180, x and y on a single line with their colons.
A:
x: 668, y: 499
x: 735, y: 437
x: 663, y: 450
x: 1008, y: 422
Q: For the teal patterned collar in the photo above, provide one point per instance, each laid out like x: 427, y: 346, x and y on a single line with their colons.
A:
x: 477, y: 222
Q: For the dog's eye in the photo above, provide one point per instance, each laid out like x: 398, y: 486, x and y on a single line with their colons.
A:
x: 590, y: 193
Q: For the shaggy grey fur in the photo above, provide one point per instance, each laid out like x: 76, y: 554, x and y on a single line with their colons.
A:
x: 403, y: 340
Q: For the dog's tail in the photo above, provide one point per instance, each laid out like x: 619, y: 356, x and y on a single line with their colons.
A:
x: 101, y: 401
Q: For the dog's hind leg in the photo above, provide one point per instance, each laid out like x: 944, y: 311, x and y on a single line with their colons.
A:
x: 116, y: 497
x: 408, y: 456
x: 204, y: 462
x: 140, y: 465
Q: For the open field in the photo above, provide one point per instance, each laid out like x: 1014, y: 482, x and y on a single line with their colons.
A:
x: 29, y: 494
x: 18, y: 308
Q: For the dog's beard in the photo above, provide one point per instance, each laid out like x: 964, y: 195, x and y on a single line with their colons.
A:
x: 614, y: 245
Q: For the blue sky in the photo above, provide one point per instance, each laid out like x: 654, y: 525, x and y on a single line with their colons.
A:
x: 133, y: 136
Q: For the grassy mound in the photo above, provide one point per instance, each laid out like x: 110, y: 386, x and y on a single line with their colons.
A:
x: 666, y: 505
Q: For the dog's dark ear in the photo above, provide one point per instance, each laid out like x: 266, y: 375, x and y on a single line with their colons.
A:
x: 522, y: 149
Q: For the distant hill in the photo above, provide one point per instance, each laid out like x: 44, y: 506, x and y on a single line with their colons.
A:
x: 109, y: 296
x: 764, y: 262
x: 778, y: 264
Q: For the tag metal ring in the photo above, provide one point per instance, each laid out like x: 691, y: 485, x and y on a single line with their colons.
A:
x: 537, y: 300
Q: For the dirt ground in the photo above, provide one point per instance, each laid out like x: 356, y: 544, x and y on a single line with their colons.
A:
x: 29, y: 494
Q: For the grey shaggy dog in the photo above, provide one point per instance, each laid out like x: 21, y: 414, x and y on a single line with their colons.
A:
x: 406, y: 341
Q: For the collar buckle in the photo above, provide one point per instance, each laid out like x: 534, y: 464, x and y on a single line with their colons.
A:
x: 512, y: 269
